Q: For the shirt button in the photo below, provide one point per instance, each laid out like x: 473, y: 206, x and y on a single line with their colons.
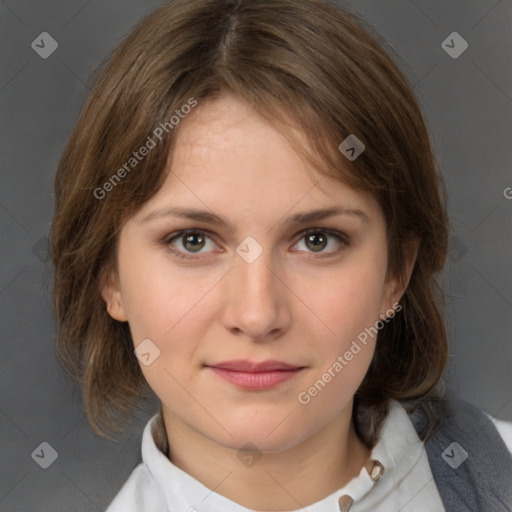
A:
x: 345, y: 502
x: 376, y: 470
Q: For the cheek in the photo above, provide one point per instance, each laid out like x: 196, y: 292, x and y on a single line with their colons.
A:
x: 347, y: 303
x: 162, y: 301
x: 164, y: 307
x: 147, y: 307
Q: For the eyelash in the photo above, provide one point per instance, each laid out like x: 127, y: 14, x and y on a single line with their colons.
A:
x: 168, y: 239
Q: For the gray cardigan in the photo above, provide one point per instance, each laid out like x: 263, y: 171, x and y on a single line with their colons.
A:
x: 470, y: 462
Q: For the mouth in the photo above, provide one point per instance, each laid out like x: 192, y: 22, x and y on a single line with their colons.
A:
x: 255, y: 376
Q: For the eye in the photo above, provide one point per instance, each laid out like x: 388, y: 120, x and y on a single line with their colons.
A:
x: 317, y: 239
x: 189, y: 240
x: 186, y: 243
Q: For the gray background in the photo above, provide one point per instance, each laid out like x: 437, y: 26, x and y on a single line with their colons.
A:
x: 468, y: 105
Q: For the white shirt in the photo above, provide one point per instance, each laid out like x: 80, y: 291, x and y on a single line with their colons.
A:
x: 504, y: 428
x: 406, y: 483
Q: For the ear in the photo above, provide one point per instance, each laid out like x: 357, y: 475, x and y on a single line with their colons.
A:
x: 395, y: 287
x: 111, y: 293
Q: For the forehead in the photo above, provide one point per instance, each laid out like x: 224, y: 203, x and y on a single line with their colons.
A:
x: 227, y: 156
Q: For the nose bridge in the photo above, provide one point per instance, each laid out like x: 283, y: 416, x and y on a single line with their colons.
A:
x: 257, y: 303
x: 252, y: 265
x: 255, y: 277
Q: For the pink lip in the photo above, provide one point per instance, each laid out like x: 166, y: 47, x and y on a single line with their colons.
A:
x: 256, y: 376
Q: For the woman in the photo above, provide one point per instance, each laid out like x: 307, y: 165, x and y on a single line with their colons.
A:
x: 250, y: 223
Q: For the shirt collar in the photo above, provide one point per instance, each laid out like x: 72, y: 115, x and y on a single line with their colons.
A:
x: 396, y: 451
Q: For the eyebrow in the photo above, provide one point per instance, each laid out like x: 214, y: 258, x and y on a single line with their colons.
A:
x: 211, y: 218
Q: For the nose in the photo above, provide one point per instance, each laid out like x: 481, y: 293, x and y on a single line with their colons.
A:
x: 257, y: 301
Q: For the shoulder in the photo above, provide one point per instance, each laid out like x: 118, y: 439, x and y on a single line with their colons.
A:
x: 469, y: 460
x: 505, y: 430
x: 140, y: 493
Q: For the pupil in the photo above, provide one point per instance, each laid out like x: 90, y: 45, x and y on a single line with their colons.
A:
x: 318, y: 241
x: 191, y: 239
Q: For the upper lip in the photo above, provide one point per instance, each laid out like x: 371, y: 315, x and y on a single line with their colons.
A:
x: 242, y: 365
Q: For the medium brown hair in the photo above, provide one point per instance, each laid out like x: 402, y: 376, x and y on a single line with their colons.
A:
x: 303, y: 62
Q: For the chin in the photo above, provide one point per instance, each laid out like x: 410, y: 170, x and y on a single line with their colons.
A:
x: 248, y: 439
x: 268, y: 432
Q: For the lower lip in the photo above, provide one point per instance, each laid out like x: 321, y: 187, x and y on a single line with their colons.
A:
x: 256, y: 381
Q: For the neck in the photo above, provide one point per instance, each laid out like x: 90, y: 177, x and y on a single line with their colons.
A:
x: 286, y: 480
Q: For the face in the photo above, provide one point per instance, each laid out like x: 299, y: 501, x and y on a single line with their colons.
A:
x: 251, y: 282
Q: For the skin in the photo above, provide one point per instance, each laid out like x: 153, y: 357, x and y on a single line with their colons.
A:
x: 290, y: 304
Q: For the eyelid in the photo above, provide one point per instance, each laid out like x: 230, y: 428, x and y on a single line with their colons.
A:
x: 343, y: 239
x: 176, y: 235
x: 331, y: 232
